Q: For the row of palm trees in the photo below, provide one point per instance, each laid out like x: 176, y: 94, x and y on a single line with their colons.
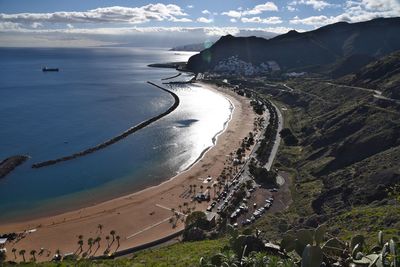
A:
x: 22, y: 253
x: 93, y: 241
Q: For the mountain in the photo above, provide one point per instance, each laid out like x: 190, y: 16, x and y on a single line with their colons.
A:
x: 318, y: 50
x: 382, y: 74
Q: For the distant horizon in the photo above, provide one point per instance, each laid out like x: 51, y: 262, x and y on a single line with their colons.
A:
x: 161, y: 23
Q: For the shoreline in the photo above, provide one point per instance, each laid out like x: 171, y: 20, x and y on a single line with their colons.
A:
x: 138, y: 189
x: 148, y: 207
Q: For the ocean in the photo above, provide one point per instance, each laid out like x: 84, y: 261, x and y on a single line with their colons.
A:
x: 97, y: 94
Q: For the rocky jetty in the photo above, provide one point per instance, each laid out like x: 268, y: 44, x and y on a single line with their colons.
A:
x: 9, y: 164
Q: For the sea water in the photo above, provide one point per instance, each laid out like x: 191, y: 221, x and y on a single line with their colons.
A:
x: 97, y: 94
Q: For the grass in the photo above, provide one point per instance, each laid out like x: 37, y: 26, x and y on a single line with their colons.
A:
x: 181, y: 254
x: 368, y: 221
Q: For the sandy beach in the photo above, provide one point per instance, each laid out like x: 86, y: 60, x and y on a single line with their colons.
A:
x: 140, y: 217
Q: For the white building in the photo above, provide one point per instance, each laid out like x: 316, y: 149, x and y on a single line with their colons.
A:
x: 235, y: 66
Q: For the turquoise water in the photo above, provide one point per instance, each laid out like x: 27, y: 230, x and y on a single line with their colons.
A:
x: 98, y: 93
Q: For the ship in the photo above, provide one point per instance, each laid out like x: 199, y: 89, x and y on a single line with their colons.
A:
x: 49, y: 69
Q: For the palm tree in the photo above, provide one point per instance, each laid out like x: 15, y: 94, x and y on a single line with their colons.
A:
x: 100, y: 226
x: 118, y: 238
x: 33, y: 253
x: 108, y: 240
x: 22, y: 253
x: 97, y: 240
x: 201, y: 188
x: 90, y: 243
x: 112, y: 233
x: 80, y: 243
x: 14, y: 250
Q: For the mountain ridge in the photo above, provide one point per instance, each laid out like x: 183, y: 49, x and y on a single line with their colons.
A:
x: 314, y: 50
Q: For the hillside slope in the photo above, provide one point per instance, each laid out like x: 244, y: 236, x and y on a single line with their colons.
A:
x: 383, y: 75
x: 347, y: 157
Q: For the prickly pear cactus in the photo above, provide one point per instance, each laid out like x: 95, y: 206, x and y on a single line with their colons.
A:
x: 312, y: 256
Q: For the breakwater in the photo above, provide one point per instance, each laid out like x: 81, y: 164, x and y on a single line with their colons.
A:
x: 118, y: 137
x: 172, y: 77
x: 9, y: 164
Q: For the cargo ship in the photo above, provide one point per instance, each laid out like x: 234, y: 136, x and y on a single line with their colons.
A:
x: 49, y: 69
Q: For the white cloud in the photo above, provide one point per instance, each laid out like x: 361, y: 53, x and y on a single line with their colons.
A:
x: 381, y: 5
x: 258, y: 9
x: 9, y: 26
x: 126, y: 36
x: 232, y: 13
x: 316, y: 4
x: 36, y: 25
x: 355, y: 11
x: 206, y: 12
x: 70, y: 26
x: 190, y: 6
x: 270, y: 20
x: 291, y: 9
x: 181, y: 20
x: 204, y: 20
x: 233, y: 20
x: 114, y: 14
x: 313, y: 20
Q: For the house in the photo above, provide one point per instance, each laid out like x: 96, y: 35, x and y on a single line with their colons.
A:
x: 211, y: 217
x: 3, y: 242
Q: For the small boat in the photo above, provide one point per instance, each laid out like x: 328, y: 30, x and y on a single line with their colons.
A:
x: 49, y: 69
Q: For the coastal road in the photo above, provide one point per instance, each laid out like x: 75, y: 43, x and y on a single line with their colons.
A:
x: 277, y: 141
x: 376, y: 93
x: 244, y: 173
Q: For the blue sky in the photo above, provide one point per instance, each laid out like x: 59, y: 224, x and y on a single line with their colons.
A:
x: 91, y: 22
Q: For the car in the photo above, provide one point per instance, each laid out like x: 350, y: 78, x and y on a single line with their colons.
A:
x: 254, y: 205
x: 246, y: 222
x: 267, y: 206
x: 252, y: 218
x: 209, y: 208
x: 213, y: 204
x: 268, y: 201
x: 235, y: 225
x: 273, y: 190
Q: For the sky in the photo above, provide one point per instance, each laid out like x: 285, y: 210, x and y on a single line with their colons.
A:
x: 168, y: 23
